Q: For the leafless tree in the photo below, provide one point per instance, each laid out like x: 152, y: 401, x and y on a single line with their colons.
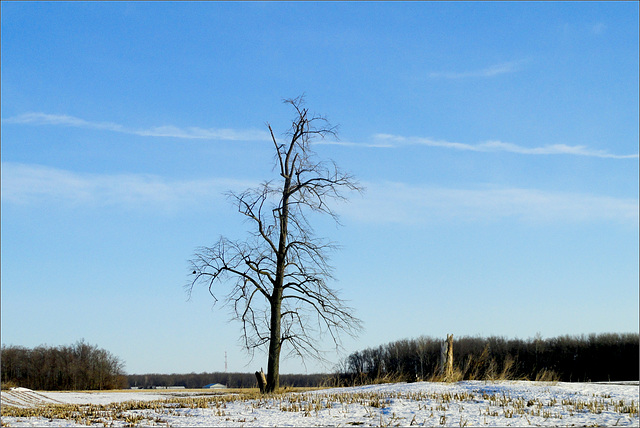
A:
x: 279, y: 274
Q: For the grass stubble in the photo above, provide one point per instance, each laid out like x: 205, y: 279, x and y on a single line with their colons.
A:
x: 435, y: 408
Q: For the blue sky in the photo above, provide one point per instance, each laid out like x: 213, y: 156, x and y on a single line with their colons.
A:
x: 498, y: 143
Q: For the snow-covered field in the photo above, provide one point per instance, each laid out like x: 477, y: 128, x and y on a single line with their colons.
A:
x: 469, y: 403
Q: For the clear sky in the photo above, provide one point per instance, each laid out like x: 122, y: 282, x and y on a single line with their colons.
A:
x: 498, y: 143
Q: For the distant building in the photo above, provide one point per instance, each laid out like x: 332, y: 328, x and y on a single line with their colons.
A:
x: 215, y: 386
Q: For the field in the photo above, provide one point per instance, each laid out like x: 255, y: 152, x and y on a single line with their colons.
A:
x: 468, y: 403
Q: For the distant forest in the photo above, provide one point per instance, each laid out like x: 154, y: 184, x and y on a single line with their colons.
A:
x: 596, y: 357
x: 77, y: 367
x: 231, y: 380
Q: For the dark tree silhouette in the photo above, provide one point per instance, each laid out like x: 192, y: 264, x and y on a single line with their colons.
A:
x: 79, y: 366
x: 280, y: 273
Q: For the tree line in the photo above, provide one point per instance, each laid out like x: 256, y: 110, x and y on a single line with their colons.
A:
x: 596, y: 357
x: 76, y: 367
x: 231, y: 380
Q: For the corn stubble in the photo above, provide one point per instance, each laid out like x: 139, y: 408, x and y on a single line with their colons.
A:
x: 438, y: 407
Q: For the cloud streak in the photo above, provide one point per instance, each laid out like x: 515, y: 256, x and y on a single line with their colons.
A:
x: 493, y: 146
x: 379, y: 140
x: 488, y: 72
x: 383, y: 203
x: 28, y: 185
x: 399, y: 203
x: 192, y: 133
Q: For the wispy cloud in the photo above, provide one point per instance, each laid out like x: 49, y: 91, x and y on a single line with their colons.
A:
x: 159, y: 131
x: 383, y: 203
x: 598, y: 28
x: 24, y: 184
x: 491, y: 71
x: 379, y: 140
x: 404, y: 204
x: 389, y: 140
x: 381, y: 144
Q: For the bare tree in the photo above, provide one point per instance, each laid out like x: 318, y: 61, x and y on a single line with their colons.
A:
x: 280, y: 273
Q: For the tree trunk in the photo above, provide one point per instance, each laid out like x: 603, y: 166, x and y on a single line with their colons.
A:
x: 273, y: 365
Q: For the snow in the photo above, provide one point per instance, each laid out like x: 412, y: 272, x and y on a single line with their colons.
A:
x: 23, y: 397
x: 468, y: 403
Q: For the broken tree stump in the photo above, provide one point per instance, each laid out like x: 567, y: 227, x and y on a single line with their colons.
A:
x: 449, y: 363
x: 446, y: 359
x: 262, y: 381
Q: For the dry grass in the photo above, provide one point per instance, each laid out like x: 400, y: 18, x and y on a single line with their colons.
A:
x: 545, y: 375
x: 5, y: 386
x: 433, y: 405
x: 475, y: 367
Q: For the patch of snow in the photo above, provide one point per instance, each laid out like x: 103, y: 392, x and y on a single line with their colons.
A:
x: 468, y: 403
